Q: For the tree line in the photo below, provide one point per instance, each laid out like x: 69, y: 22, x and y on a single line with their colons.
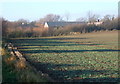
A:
x: 24, y: 28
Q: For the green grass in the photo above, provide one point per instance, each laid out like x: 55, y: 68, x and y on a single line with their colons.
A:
x: 81, y: 57
x: 12, y: 74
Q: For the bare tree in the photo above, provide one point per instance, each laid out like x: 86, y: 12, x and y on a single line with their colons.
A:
x: 4, y: 25
x: 52, y: 17
x: 92, y: 17
x: 67, y: 16
x: 23, y: 21
x: 81, y: 19
x: 107, y: 18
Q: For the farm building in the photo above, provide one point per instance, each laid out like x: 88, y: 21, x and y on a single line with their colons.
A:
x: 95, y: 23
x: 60, y: 24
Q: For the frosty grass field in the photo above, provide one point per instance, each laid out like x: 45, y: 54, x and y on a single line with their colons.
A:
x: 83, y: 57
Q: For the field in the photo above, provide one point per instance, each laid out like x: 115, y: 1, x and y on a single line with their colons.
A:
x: 83, y: 57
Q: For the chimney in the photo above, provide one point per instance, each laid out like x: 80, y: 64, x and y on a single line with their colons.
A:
x: 98, y: 20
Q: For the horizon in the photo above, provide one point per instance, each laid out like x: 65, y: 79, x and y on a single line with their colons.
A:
x: 34, y: 10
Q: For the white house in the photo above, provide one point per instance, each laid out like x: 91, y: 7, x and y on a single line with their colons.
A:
x: 95, y: 23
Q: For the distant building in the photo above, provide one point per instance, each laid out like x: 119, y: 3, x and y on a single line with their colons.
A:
x: 60, y: 24
x: 95, y: 23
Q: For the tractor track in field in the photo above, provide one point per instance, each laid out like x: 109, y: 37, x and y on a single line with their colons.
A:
x: 20, y: 56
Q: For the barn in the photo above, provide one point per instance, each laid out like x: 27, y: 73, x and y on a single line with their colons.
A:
x: 60, y: 24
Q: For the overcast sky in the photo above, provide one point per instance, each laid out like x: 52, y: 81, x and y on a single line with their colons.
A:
x: 35, y: 9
